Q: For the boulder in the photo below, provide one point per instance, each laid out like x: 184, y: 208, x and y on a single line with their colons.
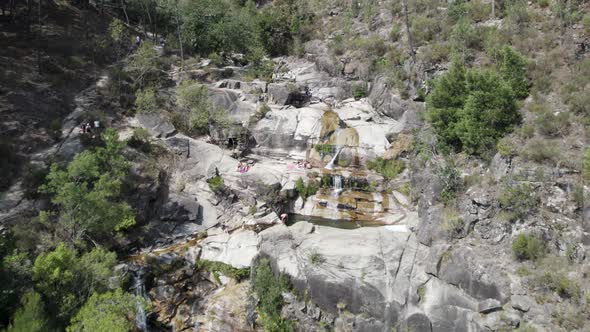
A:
x: 157, y: 124
x: 462, y: 268
x: 521, y: 302
x: 368, y: 270
x: 237, y: 249
x: 288, y: 94
x: 180, y: 207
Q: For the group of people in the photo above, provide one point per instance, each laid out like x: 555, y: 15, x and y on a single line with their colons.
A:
x: 88, y: 127
x: 300, y: 164
x: 243, y: 167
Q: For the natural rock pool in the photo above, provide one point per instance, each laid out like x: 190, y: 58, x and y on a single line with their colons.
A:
x: 342, y: 224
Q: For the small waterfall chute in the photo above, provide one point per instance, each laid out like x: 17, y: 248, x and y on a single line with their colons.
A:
x: 337, y: 184
x: 331, y: 163
x: 139, y: 288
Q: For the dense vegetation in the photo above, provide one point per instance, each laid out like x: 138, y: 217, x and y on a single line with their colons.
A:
x: 87, y: 210
x: 269, y: 290
x: 471, y: 109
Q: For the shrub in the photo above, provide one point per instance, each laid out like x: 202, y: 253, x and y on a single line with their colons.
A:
x: 359, y: 90
x: 146, y: 101
x: 527, y: 247
x: 571, y: 319
x: 374, y: 45
x: 436, y: 53
x: 506, y: 148
x: 527, y: 131
x: 225, y: 269
x: 195, y: 97
x: 216, y: 59
x: 325, y: 149
x: 140, y: 139
x: 518, y: 200
x: 269, y: 290
x: 308, y: 190
x: 471, y: 110
x: 448, y: 175
x: 513, y: 68
x: 551, y: 124
x: 315, y: 258
x: 260, y: 114
x: 586, y: 23
x: 540, y: 150
x: 390, y: 169
x: 216, y: 184
x: 586, y: 165
x: 559, y: 283
x: 423, y: 29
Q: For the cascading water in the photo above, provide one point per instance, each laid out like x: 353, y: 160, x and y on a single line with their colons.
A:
x: 139, y: 286
x: 331, y: 163
x: 337, y: 181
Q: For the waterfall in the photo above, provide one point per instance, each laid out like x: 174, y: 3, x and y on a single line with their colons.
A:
x: 331, y: 163
x: 337, y: 180
x: 139, y: 286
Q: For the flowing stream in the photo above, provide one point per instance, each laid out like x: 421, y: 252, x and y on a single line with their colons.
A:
x: 139, y: 286
x: 331, y: 163
x: 337, y: 179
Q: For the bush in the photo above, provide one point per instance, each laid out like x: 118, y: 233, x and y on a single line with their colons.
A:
x: 551, y: 124
x: 513, y: 68
x: 260, y: 114
x: 216, y: 184
x: 449, y: 176
x: 269, y: 290
x: 586, y: 165
x: 423, y: 29
x: 140, y: 139
x: 390, y: 169
x: 559, y: 283
x: 225, y: 269
x: 540, y: 150
x: 146, y: 101
x: 308, y: 190
x: 506, y: 148
x: 359, y: 90
x: 195, y: 97
x: 519, y: 201
x: 315, y: 258
x: 527, y: 247
x: 471, y: 110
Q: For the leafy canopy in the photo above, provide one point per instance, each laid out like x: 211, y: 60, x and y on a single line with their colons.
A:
x: 66, y: 279
x: 87, y: 192
x: 31, y: 316
x: 471, y: 109
x: 108, y: 312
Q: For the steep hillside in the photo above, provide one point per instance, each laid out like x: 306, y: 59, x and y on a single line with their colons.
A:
x: 296, y: 165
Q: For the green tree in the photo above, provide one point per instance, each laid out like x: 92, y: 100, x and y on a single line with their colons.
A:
x: 195, y: 97
x: 470, y: 110
x: 527, y: 247
x: 15, y: 276
x: 145, y: 67
x: 31, y: 316
x: 490, y: 111
x: 87, y: 192
x: 518, y: 200
x: 513, y: 68
x: 66, y: 280
x: 108, y: 312
x: 269, y: 290
x: 119, y: 35
x: 146, y: 101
